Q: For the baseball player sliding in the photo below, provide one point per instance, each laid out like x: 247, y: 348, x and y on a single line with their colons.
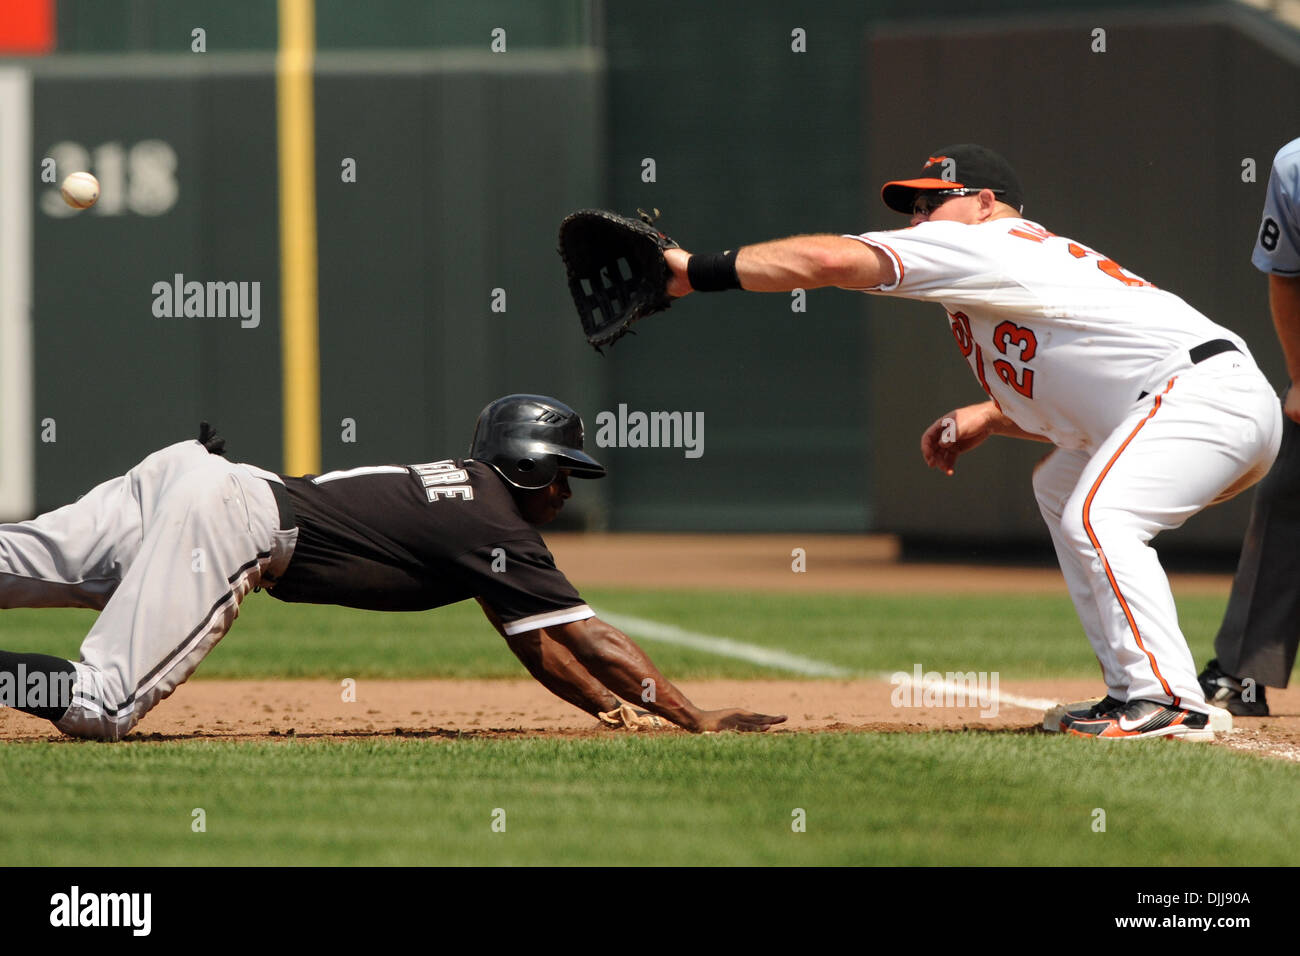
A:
x: 1156, y: 411
x: 168, y: 551
x: 1261, y: 627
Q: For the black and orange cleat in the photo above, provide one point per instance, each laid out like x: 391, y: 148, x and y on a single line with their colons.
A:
x: 1142, y: 718
x: 1089, y: 710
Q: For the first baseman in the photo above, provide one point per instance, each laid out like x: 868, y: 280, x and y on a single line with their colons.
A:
x: 1256, y: 644
x: 1156, y: 411
x: 167, y: 552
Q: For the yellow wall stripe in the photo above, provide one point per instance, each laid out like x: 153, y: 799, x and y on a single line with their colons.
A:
x: 300, y: 344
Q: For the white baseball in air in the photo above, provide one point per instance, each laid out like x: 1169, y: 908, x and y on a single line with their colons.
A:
x: 80, y: 190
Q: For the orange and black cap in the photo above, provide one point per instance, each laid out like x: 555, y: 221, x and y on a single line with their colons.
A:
x: 963, y: 166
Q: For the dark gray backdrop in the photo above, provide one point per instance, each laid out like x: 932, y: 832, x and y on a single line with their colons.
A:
x: 467, y: 160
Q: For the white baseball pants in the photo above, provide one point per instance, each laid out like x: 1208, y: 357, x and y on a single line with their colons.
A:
x: 1205, y: 435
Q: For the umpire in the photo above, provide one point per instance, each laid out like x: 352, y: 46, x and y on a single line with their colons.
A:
x: 168, y: 551
x: 1256, y: 644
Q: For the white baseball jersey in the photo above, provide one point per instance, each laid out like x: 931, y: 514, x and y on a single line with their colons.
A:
x: 1277, y: 249
x: 1066, y: 341
x: 1061, y: 337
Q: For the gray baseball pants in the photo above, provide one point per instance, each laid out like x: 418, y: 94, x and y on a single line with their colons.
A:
x: 166, y: 553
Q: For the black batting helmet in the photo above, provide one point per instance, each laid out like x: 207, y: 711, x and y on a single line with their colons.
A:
x: 529, y: 438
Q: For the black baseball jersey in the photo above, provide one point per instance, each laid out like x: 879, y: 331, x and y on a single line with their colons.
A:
x: 413, y: 537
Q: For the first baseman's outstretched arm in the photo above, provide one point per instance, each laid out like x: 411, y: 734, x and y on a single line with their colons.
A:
x: 624, y: 668
x: 799, y: 262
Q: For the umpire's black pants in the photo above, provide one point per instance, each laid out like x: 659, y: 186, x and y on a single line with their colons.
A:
x: 1261, y: 628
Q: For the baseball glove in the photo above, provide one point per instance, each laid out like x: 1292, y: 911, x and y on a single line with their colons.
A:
x: 616, y: 268
x: 630, y: 718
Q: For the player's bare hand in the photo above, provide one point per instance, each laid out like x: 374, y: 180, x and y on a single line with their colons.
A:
x: 954, y: 434
x: 679, y: 285
x: 1291, y: 404
x: 737, y: 719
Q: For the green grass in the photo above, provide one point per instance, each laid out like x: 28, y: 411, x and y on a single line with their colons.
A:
x: 936, y: 798
x: 1021, y: 637
x: 933, y: 799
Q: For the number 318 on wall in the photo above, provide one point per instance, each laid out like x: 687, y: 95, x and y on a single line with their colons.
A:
x: 139, y: 180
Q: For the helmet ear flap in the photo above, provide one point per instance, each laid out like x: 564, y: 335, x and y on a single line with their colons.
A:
x: 534, y: 472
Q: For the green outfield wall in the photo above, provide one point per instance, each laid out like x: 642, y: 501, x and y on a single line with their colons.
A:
x: 440, y: 182
x: 443, y: 169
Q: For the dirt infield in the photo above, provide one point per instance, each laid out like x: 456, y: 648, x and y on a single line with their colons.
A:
x: 275, y: 710
x: 268, y: 710
x: 832, y: 563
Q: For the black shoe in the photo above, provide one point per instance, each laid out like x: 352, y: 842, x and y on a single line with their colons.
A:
x: 1092, y: 712
x: 1224, y: 690
x: 1144, y: 718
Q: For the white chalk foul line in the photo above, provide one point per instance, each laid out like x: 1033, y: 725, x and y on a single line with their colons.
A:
x: 1027, y: 703
x: 723, y: 646
x: 947, y: 686
x: 739, y: 650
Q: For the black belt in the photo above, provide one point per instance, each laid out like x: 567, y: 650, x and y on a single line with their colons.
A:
x: 287, y: 518
x: 1205, y: 350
